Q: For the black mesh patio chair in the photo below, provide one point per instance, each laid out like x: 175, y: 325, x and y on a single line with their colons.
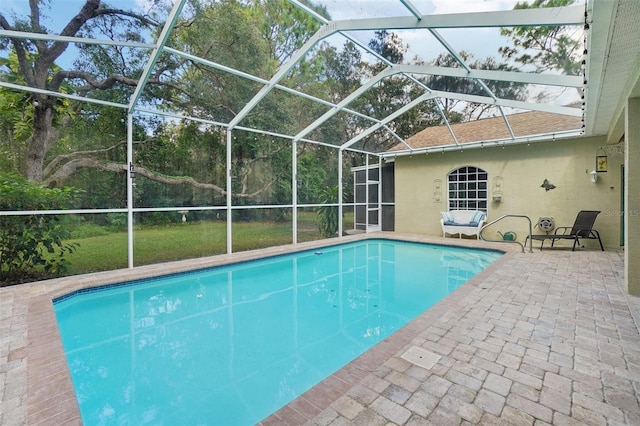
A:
x: 582, y: 228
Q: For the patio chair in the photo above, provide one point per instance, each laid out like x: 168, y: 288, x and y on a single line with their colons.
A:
x: 582, y: 228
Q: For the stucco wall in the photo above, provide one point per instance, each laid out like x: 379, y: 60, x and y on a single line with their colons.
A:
x: 565, y: 163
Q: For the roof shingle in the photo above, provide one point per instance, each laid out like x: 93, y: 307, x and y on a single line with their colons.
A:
x: 487, y: 129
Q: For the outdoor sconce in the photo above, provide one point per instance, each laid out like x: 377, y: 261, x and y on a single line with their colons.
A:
x: 601, y: 161
x: 593, y: 176
x: 496, y: 189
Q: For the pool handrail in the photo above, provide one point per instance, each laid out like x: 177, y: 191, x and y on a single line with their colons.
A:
x: 509, y: 241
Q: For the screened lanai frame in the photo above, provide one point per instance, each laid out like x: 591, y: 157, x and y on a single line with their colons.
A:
x: 410, y: 18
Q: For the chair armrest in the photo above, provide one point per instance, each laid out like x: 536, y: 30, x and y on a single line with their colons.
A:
x: 584, y: 233
x: 564, y: 230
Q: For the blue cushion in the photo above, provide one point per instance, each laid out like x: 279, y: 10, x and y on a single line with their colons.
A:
x: 447, y: 217
x: 477, y: 217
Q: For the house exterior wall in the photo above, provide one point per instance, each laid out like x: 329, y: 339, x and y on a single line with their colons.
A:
x: 632, y: 207
x: 523, y: 168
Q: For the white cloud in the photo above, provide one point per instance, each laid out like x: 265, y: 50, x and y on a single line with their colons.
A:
x: 481, y: 42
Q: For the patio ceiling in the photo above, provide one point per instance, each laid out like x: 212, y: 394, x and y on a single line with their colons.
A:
x: 610, y: 57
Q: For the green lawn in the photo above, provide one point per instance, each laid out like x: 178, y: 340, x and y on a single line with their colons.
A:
x: 179, y: 241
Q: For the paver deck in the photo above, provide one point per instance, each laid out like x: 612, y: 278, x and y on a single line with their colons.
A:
x: 536, y: 338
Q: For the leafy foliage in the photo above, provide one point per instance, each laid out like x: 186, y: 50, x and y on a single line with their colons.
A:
x: 451, y: 107
x: 31, y: 246
x: 328, y: 214
x: 181, y: 162
x: 544, y: 47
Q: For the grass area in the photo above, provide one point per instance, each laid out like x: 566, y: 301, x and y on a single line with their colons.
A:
x: 180, y: 241
x: 172, y: 242
x: 103, y: 248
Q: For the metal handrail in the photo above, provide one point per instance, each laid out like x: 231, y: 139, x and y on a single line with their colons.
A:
x: 507, y: 241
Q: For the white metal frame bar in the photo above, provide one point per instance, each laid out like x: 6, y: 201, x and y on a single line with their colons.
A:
x: 485, y: 144
x: 61, y: 95
x: 156, y: 51
x: 66, y: 39
x: 572, y: 15
x: 478, y: 75
x: 389, y: 118
x: 414, y: 10
x: 146, y: 73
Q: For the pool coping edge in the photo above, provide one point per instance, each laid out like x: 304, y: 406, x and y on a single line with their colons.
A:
x: 49, y: 385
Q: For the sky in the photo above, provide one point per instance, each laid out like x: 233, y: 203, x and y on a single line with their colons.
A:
x: 62, y: 11
x: 482, y: 43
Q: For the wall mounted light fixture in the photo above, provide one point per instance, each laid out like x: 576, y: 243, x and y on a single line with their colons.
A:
x: 497, y: 184
x: 593, y: 176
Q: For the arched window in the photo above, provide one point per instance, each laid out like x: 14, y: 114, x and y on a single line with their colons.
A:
x: 468, y: 189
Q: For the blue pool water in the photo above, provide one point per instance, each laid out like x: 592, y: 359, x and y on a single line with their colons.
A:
x: 231, y: 345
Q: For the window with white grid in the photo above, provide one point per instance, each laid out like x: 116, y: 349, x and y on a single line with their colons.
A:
x: 468, y: 189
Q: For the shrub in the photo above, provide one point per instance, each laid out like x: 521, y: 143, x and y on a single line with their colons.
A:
x: 31, y: 246
x: 328, y: 215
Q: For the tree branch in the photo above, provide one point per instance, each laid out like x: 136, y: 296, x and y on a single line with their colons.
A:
x: 106, y: 83
x: 90, y: 10
x: 70, y: 30
x: 69, y: 168
x: 119, y: 12
x: 74, y: 155
x: 20, y: 53
x: 35, y: 23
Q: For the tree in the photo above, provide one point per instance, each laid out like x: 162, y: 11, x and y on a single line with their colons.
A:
x: 328, y: 215
x: 544, y: 47
x: 230, y: 32
x: 285, y: 27
x: 389, y: 46
x: 394, y: 92
x: 452, y: 107
x: 31, y: 246
x: 36, y: 64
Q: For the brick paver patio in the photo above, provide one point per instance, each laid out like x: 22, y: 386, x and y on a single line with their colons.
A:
x: 537, y: 338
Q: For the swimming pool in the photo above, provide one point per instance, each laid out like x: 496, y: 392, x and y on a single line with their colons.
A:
x: 232, y: 344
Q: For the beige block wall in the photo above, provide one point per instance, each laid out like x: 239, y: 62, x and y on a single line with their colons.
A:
x: 565, y: 163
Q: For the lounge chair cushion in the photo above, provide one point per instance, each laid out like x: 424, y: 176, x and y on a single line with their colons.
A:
x: 448, y: 218
x: 477, y: 217
x: 462, y: 222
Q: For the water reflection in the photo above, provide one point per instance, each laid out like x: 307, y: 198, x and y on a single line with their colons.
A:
x: 233, y: 344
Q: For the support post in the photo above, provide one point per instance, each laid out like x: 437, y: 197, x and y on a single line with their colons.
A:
x: 229, y: 195
x: 130, y: 176
x: 632, y: 197
x: 294, y: 190
x: 340, y: 207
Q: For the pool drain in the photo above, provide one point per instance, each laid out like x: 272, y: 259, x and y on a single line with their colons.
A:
x: 421, y: 357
